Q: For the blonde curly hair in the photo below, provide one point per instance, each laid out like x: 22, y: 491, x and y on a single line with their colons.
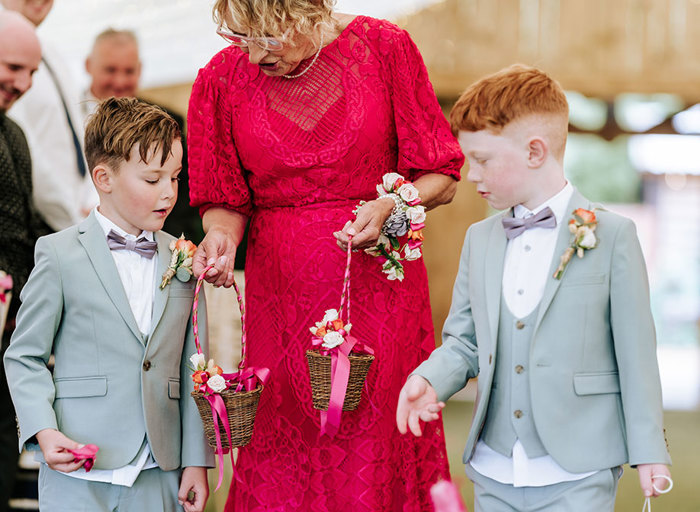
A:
x: 275, y: 18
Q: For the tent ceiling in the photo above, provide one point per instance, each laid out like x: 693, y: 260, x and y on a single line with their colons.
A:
x: 598, y: 47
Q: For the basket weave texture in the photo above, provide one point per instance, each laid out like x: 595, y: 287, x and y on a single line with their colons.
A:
x: 320, y: 371
x: 241, y: 407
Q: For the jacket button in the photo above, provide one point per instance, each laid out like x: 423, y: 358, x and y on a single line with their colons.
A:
x: 518, y: 414
x: 519, y: 325
x: 519, y: 369
x: 146, y: 365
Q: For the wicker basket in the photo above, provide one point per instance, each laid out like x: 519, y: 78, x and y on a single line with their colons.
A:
x: 241, y: 407
x: 320, y: 371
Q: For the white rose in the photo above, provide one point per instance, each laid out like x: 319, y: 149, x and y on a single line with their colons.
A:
x: 380, y: 190
x: 332, y: 339
x: 217, y: 383
x: 411, y: 254
x: 383, y: 240
x: 587, y: 239
x: 331, y: 314
x: 416, y: 214
x: 389, y: 179
x: 198, y: 361
x: 408, y: 192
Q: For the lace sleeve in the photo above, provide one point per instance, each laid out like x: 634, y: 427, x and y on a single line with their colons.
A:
x: 216, y: 177
x: 426, y: 143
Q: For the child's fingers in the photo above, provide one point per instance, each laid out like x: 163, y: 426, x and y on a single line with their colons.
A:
x: 414, y: 424
x: 67, y: 467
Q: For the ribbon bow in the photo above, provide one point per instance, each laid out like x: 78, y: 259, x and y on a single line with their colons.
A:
x: 144, y: 247
x: 515, y: 227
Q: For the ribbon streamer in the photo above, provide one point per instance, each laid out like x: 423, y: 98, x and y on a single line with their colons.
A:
x: 245, y: 379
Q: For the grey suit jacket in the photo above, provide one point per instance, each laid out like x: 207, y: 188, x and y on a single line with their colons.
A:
x: 110, y: 386
x: 594, y: 379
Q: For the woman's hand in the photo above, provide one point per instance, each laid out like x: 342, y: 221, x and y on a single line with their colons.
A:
x: 224, y: 229
x: 218, y: 249
x: 368, y: 224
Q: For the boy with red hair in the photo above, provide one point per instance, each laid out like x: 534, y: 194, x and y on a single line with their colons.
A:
x: 551, y: 310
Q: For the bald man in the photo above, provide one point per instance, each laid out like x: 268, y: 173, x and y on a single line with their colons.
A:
x: 20, y: 54
x: 49, y: 115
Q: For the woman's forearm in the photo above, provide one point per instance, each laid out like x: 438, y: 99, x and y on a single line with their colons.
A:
x: 435, y: 189
x: 227, y: 220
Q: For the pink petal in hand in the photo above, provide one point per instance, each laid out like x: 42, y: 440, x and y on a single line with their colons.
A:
x: 86, y: 452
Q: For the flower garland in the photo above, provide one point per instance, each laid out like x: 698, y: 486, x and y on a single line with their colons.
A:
x: 582, y: 226
x: 407, y: 220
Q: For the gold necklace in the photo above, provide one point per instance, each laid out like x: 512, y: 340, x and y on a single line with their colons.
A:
x: 320, y: 46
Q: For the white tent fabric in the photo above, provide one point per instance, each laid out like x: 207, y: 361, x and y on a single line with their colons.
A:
x: 176, y: 36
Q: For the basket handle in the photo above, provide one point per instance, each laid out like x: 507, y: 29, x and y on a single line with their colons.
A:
x: 346, y: 285
x: 241, y: 306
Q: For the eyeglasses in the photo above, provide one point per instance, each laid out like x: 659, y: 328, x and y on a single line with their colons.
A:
x: 266, y: 43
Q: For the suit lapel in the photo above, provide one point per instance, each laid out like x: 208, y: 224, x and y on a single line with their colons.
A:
x: 563, y: 240
x: 493, y: 273
x: 160, y: 297
x: 93, y: 240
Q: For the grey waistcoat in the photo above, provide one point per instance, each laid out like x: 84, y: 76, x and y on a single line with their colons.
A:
x: 509, y: 415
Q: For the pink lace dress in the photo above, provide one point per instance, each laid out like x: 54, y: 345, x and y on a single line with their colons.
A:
x: 297, y: 156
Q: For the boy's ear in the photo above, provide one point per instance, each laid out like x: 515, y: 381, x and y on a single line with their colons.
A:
x: 537, y: 152
x: 102, y: 178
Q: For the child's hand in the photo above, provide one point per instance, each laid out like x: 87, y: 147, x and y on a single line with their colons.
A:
x: 417, y: 401
x: 194, y: 489
x: 54, y: 445
x: 647, y: 472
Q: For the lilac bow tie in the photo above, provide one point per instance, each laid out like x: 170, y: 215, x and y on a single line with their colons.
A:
x: 515, y: 227
x: 144, y: 247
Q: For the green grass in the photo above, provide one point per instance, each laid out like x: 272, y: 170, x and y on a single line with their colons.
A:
x: 682, y: 431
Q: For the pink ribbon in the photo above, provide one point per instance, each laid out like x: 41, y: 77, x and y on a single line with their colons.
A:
x: 247, y: 380
x: 87, y: 453
x: 340, y: 374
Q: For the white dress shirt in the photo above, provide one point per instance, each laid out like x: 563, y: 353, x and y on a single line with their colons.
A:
x: 134, y: 270
x: 525, y: 273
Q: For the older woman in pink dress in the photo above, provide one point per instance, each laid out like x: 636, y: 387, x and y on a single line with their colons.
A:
x: 291, y: 127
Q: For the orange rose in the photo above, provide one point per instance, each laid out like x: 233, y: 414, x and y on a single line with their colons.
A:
x: 337, y: 324
x: 321, y: 332
x: 200, y: 377
x: 587, y: 216
x: 185, y: 246
x: 415, y: 235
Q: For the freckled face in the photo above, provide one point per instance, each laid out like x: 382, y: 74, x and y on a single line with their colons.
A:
x: 498, y: 167
x: 141, y: 195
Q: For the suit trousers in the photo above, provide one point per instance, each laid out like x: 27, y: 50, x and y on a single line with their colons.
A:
x: 595, y: 493
x: 154, y: 490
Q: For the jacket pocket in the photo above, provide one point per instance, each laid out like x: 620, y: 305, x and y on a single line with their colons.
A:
x: 80, y: 387
x: 174, y: 388
x: 596, y: 383
x: 584, y: 279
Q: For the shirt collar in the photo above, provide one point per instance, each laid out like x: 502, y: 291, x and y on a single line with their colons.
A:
x: 557, y: 203
x: 107, y: 225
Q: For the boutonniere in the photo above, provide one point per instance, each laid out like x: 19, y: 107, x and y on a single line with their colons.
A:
x: 582, y: 226
x: 180, y: 261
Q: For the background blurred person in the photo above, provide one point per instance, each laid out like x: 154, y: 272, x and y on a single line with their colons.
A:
x: 20, y: 54
x: 115, y: 70
x: 50, y: 118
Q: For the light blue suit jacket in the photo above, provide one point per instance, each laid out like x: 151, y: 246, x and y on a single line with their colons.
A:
x: 110, y: 386
x: 594, y: 379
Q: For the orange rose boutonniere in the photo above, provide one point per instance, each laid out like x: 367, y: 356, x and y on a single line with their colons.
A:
x: 180, y: 261
x: 582, y: 226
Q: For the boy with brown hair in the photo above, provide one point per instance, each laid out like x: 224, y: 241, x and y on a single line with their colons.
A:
x: 120, y: 342
x: 564, y: 346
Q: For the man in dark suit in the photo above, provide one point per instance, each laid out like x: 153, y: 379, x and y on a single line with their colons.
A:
x: 20, y: 54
